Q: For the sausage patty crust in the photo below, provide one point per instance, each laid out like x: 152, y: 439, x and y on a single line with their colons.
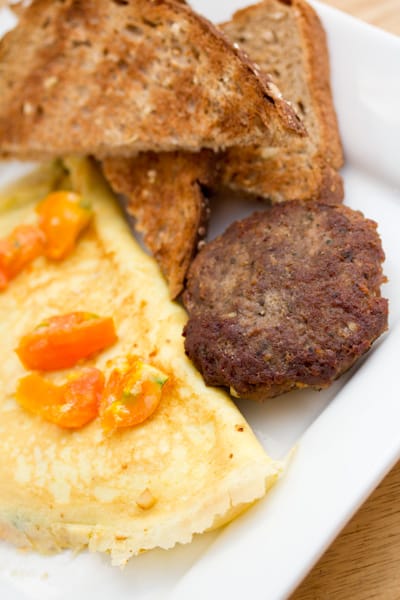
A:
x: 287, y: 298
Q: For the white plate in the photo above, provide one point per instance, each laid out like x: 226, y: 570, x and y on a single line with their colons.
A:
x: 347, y: 437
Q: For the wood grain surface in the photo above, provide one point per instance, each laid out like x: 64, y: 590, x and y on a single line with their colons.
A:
x: 364, y: 561
x: 382, y: 13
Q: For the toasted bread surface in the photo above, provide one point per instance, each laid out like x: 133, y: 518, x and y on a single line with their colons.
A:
x: 164, y: 194
x: 286, y: 39
x: 108, y: 77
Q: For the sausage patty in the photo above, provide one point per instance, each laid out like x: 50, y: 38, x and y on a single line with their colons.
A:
x: 287, y: 298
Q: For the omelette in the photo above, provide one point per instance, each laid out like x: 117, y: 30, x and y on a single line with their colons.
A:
x: 192, y: 466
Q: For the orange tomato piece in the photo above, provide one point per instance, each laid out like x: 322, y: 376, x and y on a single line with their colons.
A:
x: 62, y: 341
x: 20, y: 248
x: 62, y: 218
x: 131, y: 396
x: 71, y: 405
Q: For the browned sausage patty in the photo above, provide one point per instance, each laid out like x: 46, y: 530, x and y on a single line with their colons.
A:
x: 287, y: 298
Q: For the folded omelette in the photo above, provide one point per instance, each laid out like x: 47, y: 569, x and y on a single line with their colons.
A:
x: 196, y: 458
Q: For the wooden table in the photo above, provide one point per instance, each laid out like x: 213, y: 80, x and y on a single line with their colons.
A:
x: 364, y: 561
x: 382, y: 13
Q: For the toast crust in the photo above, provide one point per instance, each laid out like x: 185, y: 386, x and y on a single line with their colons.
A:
x: 321, y: 92
x: 83, y: 89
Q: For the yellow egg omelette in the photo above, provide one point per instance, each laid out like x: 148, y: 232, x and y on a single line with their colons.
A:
x: 194, y: 465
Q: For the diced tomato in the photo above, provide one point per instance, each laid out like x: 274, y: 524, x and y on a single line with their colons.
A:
x: 131, y: 396
x: 62, y: 218
x: 71, y: 405
x: 19, y: 249
x: 62, y: 341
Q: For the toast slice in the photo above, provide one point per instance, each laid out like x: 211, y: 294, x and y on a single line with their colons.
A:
x: 115, y: 77
x: 267, y: 171
x: 286, y: 39
x: 164, y: 193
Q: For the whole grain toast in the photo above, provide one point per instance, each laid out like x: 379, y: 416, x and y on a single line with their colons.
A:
x: 115, y: 77
x: 164, y: 193
x: 286, y: 39
x: 303, y: 169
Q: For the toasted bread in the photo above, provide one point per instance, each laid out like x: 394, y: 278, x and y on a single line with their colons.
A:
x: 286, y: 39
x: 111, y: 77
x: 164, y: 194
x: 267, y: 171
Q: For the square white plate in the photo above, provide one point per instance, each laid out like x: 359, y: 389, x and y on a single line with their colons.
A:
x: 347, y: 437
